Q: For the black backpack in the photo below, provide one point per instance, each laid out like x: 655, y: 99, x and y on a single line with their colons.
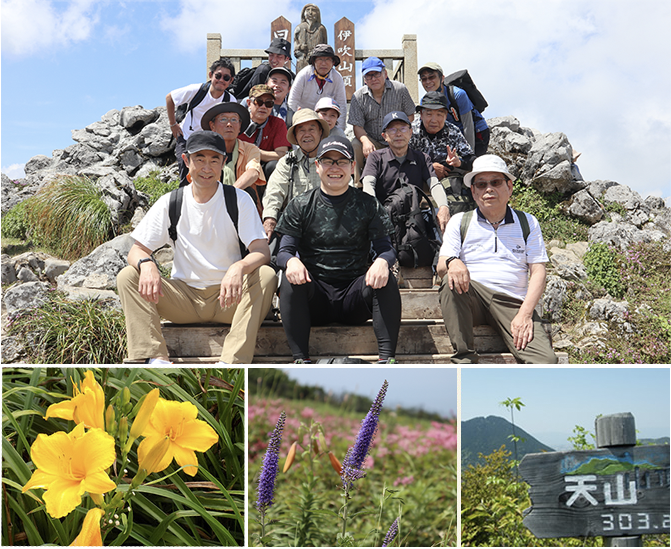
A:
x: 239, y: 86
x: 416, y: 238
x: 175, y: 211
x: 186, y: 108
x: 461, y: 79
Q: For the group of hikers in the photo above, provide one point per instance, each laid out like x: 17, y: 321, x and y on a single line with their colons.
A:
x: 274, y: 194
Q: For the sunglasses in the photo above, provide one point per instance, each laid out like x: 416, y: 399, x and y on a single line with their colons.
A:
x: 268, y: 102
x: 220, y: 76
x: 482, y: 185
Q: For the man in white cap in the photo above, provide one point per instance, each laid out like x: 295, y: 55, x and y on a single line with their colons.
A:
x: 492, y: 265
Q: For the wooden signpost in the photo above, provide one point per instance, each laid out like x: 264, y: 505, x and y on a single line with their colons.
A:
x: 619, y: 490
x: 344, y: 48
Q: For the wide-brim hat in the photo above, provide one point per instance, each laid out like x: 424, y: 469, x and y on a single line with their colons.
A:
x: 230, y: 106
x: 302, y: 116
x: 323, y: 50
x: 286, y: 72
x: 487, y: 163
x: 280, y: 46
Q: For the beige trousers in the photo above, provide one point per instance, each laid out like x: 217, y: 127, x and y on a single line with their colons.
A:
x: 183, y: 304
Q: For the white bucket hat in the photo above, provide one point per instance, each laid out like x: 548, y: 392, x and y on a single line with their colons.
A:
x: 487, y: 163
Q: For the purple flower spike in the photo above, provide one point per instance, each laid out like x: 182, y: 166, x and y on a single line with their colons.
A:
x: 266, y: 491
x: 391, y: 534
x: 353, y: 462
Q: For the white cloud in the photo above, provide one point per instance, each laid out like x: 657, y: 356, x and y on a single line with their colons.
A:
x: 597, y: 71
x: 14, y: 171
x: 30, y: 26
x: 240, y: 24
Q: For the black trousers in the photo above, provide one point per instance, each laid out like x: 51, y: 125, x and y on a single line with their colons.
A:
x: 318, y: 303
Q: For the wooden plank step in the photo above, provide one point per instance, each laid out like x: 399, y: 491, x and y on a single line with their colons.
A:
x: 420, y: 303
x: 417, y: 337
x: 485, y: 358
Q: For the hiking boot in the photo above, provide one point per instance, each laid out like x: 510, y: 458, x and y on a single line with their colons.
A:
x: 390, y: 360
x: 302, y: 361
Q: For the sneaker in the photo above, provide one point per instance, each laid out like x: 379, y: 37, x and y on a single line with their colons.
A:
x: 221, y: 363
x: 158, y: 361
x: 390, y: 360
x: 302, y: 361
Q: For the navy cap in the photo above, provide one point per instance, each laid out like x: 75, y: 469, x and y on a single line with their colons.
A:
x: 206, y: 141
x: 338, y: 144
x: 393, y: 116
x: 432, y: 100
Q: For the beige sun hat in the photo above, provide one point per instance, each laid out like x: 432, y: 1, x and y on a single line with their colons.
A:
x: 302, y: 116
x: 487, y: 163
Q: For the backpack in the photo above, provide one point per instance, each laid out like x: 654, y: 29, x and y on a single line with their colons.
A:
x: 415, y: 238
x: 186, y: 108
x: 175, y: 211
x: 461, y: 79
x: 241, y: 81
x: 466, y: 221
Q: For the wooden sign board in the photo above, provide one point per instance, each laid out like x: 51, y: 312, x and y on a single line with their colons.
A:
x: 280, y: 28
x: 613, y: 492
x: 344, y: 48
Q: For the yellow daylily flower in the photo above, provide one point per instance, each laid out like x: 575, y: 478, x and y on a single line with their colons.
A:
x: 144, y: 414
x: 90, y: 535
x: 187, y: 435
x: 70, y: 464
x: 87, y: 406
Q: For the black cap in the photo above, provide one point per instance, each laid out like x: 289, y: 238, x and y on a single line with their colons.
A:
x: 432, y: 100
x: 323, y: 50
x: 279, y: 45
x: 393, y: 116
x: 336, y: 143
x: 286, y: 72
x: 206, y: 141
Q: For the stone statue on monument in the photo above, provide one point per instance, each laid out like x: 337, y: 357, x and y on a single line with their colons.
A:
x: 309, y: 32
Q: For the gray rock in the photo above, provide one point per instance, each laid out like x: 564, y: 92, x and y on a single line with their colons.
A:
x: 165, y: 255
x: 131, y: 161
x: 81, y: 294
x: 554, y: 297
x: 119, y: 194
x: 622, y: 194
x: 37, y: 163
x: 135, y: 118
x: 12, y: 350
x: 8, y: 270
x: 98, y: 270
x: 80, y: 155
x: 598, y: 187
x: 654, y: 202
x: 609, y: 310
x: 639, y: 217
x: 146, y: 169
x: 557, y: 178
x: 567, y: 264
x: 158, y: 140
x: 509, y: 122
x: 583, y: 206
x: 25, y: 296
x: 615, y: 233
x: 54, y: 267
x: 100, y: 129
x: 25, y: 274
x: 579, y: 249
x: 111, y: 117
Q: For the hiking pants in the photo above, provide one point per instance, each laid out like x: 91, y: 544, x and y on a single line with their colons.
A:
x: 318, y: 303
x: 183, y: 304
x: 481, y: 305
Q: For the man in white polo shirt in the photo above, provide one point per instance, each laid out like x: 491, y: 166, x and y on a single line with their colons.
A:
x: 492, y: 265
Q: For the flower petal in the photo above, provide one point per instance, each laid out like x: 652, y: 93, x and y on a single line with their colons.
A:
x: 40, y: 479
x: 90, y: 534
x: 63, y: 496
x: 146, y: 446
x: 98, y: 483
x: 48, y: 451
x: 197, y: 435
x: 63, y: 410
x: 92, y: 453
x: 186, y: 457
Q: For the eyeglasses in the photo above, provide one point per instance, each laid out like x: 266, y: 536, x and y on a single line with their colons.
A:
x: 268, y: 102
x: 220, y: 76
x: 482, y: 185
x: 329, y: 162
x: 372, y: 75
x: 231, y: 120
x: 398, y: 129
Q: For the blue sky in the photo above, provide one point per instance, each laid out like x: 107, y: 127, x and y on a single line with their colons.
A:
x: 598, y: 71
x: 558, y: 399
x: 430, y: 389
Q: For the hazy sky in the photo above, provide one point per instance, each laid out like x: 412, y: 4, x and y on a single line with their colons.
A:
x: 430, y: 389
x: 558, y: 399
x: 597, y: 70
